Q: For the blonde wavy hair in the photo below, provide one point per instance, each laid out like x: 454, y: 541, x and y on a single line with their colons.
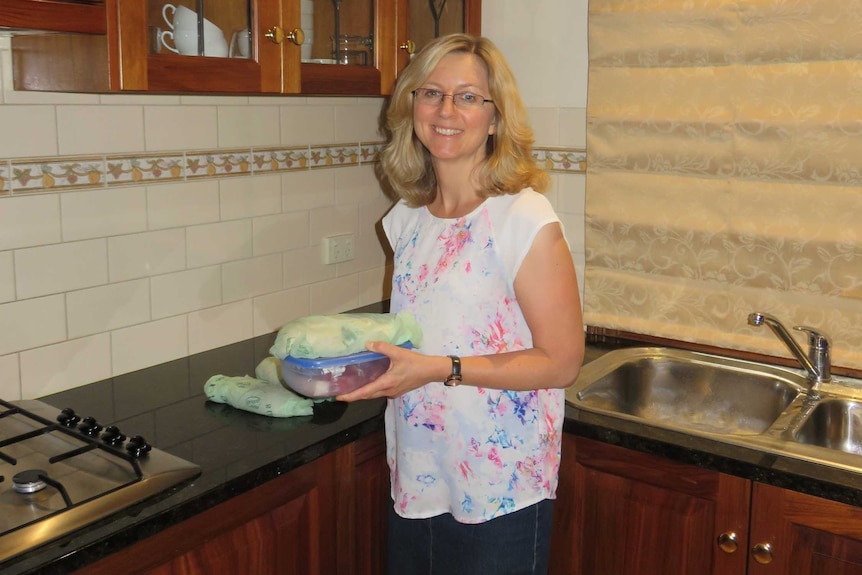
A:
x: 509, y: 165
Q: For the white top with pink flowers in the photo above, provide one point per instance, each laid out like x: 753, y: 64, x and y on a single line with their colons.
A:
x: 474, y: 452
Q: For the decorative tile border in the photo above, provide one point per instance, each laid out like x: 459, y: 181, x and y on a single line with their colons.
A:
x: 32, y: 175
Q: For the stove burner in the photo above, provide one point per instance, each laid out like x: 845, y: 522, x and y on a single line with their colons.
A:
x: 29, y: 481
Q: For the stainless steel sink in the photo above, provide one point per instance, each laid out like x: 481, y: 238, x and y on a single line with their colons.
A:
x: 834, y: 424
x: 686, y: 391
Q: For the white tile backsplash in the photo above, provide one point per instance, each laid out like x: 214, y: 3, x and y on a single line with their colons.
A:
x: 109, y: 307
x: 218, y: 243
x: 103, y: 212
x: 60, y: 267
x: 180, y: 127
x: 40, y: 125
x: 248, y: 126
x: 32, y: 323
x: 29, y: 221
x: 55, y: 368
x: 274, y: 310
x: 301, y: 125
x: 183, y: 204
x: 182, y: 292
x: 146, y: 254
x: 307, y: 189
x: 218, y: 326
x: 250, y: 196
x: 305, y: 266
x: 10, y: 378
x: 149, y: 344
x: 333, y: 221
x: 7, y: 278
x: 358, y: 123
x: 279, y: 233
x: 99, y: 129
x: 249, y: 278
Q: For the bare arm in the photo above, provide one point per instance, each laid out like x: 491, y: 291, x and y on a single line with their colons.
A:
x: 547, y: 290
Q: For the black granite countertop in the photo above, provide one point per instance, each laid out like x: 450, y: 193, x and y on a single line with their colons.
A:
x: 238, y: 451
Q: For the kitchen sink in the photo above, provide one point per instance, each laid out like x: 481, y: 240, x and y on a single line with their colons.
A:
x: 834, y: 424
x: 687, y: 391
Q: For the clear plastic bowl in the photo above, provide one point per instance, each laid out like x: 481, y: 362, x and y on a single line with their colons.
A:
x: 331, y: 376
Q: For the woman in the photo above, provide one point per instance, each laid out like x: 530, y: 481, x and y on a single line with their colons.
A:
x: 474, y: 419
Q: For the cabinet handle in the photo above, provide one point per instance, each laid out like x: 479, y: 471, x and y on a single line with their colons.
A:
x: 409, y: 46
x: 727, y: 542
x: 276, y: 35
x: 762, y: 553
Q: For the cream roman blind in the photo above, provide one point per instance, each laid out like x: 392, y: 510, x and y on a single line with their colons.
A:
x: 724, y: 163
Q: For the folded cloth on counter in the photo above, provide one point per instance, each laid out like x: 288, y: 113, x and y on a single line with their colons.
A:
x: 269, y: 370
x: 256, y: 396
x: 343, y: 334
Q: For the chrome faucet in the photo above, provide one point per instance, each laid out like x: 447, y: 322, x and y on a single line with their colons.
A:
x: 816, y: 362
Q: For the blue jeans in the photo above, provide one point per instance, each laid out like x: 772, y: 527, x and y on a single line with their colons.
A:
x: 514, y: 544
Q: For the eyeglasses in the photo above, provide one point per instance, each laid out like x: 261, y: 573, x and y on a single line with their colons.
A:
x: 431, y: 97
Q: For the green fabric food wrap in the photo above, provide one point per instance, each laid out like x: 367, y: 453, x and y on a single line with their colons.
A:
x: 256, y: 396
x: 343, y: 334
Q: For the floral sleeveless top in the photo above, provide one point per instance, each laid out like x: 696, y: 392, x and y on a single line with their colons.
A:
x: 473, y: 452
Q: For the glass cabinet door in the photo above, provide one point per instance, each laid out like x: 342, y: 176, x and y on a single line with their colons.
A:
x: 211, y: 28
x: 210, y: 46
x: 429, y: 19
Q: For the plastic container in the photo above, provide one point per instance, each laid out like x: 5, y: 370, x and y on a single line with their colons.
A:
x: 331, y: 376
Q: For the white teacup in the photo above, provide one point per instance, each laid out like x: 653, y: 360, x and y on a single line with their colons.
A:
x: 186, y: 42
x: 183, y: 18
x: 240, y: 44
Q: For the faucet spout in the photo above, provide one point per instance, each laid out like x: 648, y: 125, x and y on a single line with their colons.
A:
x: 816, y: 362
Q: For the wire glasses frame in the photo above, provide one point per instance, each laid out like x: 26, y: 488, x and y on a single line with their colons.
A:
x: 431, y: 97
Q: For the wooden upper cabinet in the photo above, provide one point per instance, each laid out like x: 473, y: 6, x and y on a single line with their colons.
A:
x: 421, y: 21
x: 54, y: 15
x: 311, y: 47
x: 246, y: 46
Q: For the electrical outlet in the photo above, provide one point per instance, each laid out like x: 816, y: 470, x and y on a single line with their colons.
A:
x: 337, y: 249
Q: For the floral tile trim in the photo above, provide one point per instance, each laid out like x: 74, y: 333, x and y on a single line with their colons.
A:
x: 57, y: 174
x: 279, y: 160
x: 335, y: 155
x: 562, y: 159
x: 5, y: 180
x: 147, y: 169
x: 23, y: 175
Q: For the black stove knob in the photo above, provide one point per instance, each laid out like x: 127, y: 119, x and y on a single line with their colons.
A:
x: 68, y: 417
x: 138, y: 446
x: 113, y: 436
x: 89, y: 427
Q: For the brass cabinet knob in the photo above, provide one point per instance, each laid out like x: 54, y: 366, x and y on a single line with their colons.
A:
x: 276, y: 35
x: 297, y: 36
x: 409, y: 46
x: 727, y: 542
x: 762, y: 553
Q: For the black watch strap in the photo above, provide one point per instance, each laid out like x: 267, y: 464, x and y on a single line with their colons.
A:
x: 454, y: 377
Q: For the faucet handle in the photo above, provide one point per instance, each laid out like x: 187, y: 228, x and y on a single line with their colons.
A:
x: 818, y: 352
x: 816, y: 339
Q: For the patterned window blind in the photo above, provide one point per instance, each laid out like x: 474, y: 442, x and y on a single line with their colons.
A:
x: 724, y: 164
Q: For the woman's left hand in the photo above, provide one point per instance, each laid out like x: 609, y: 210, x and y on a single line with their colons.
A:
x: 408, y: 370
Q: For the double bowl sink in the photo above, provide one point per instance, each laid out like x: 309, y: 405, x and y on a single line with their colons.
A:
x: 739, y: 402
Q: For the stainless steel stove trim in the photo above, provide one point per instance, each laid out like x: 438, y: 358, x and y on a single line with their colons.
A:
x: 161, y: 472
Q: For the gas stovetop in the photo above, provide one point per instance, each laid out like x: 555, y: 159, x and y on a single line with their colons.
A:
x: 60, y: 471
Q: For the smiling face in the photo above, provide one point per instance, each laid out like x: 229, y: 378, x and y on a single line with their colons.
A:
x: 456, y: 135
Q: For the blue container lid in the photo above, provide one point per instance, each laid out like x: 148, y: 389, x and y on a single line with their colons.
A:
x: 328, y: 362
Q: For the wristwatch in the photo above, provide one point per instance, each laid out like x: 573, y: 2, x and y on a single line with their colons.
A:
x: 454, y: 377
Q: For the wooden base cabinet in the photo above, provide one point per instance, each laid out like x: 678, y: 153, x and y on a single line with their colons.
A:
x: 325, y: 518
x: 627, y: 512
x: 620, y: 511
